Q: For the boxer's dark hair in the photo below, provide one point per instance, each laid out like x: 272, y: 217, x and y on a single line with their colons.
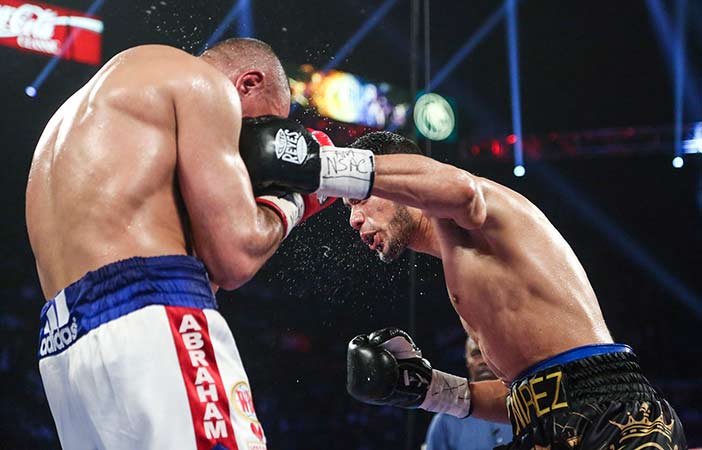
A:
x: 386, y: 143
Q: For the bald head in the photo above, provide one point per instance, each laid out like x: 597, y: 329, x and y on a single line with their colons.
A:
x: 256, y: 72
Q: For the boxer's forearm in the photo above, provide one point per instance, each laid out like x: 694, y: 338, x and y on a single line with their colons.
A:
x: 441, y: 190
x: 488, y: 400
x: 236, y: 262
x: 267, y: 238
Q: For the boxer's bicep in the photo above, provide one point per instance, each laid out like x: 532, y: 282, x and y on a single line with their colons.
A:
x: 213, y: 179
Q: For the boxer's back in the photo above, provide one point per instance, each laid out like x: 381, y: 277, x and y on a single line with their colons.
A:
x: 102, y: 186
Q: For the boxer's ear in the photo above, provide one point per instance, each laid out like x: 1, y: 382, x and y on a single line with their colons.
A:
x: 249, y: 82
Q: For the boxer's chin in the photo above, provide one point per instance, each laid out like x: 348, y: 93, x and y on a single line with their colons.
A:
x: 398, y: 234
x: 392, y: 249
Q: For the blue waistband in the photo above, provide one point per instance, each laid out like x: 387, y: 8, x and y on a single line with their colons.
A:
x: 573, y: 354
x: 118, y: 289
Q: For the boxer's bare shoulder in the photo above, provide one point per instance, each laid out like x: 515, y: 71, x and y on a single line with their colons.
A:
x: 103, y: 177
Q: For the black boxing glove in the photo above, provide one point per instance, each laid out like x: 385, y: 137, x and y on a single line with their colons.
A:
x: 282, y: 156
x: 387, y: 368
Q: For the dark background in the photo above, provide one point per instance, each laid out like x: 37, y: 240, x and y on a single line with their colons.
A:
x: 584, y: 65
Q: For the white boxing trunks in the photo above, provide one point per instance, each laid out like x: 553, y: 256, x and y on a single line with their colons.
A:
x: 135, y: 356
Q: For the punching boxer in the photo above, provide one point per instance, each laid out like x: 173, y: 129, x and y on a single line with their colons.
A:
x: 521, y: 292
x: 135, y: 174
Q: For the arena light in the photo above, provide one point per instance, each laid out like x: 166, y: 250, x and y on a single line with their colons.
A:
x: 694, y: 144
x: 434, y: 117
x: 665, y: 33
x: 245, y: 24
x: 679, y: 75
x: 348, y: 98
x: 595, y: 217
x: 68, y: 47
x: 678, y: 162
x: 468, y: 46
x: 338, y: 95
x: 519, y: 171
x: 513, y: 54
x: 466, y: 49
x: 474, y: 106
x: 353, y: 41
x: 231, y: 16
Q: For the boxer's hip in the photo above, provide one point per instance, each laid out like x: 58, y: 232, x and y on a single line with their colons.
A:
x: 589, y: 397
x: 118, y: 289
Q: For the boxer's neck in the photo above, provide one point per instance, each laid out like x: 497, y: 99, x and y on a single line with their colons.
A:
x: 423, y: 239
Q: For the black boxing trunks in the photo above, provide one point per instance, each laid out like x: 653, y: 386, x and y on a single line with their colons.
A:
x: 592, y: 397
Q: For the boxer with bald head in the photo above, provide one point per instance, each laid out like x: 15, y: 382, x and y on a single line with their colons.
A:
x: 138, y: 198
x: 253, y: 65
x: 520, y: 292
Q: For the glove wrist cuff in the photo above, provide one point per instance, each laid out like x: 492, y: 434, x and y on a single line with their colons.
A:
x: 447, y: 394
x: 290, y: 208
x: 346, y: 172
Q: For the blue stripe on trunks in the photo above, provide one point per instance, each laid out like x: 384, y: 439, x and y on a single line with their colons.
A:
x: 573, y: 354
x: 118, y: 289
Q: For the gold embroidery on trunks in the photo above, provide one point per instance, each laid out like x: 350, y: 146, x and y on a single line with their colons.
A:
x: 515, y: 414
x: 535, y: 397
x: 558, y: 376
x: 539, y: 412
x: 640, y: 428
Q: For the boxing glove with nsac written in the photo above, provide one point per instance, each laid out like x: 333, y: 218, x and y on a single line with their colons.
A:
x: 283, y: 157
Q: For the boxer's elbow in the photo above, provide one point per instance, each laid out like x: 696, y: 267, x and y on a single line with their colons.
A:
x: 235, y: 281
x: 228, y: 266
x: 226, y: 282
x: 470, y: 210
x: 232, y: 273
x: 477, y: 208
x: 248, y: 267
x: 248, y: 251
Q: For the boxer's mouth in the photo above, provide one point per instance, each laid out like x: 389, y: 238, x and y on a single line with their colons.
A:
x: 371, y: 239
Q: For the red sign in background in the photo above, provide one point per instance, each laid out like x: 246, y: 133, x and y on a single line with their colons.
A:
x: 41, y: 28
